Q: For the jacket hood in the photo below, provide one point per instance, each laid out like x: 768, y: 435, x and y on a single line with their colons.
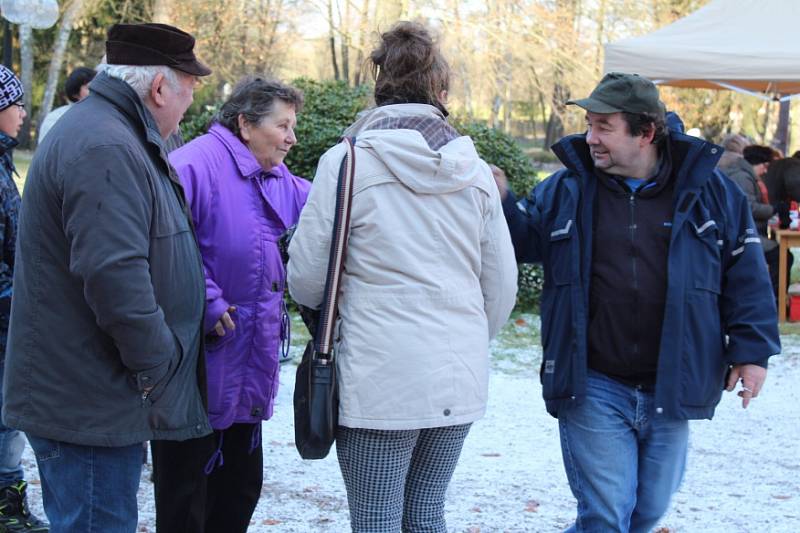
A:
x: 409, y: 157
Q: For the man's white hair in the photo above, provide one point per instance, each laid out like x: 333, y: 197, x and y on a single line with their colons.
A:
x: 139, y: 77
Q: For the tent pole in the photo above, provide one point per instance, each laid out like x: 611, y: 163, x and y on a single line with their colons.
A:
x: 781, y: 140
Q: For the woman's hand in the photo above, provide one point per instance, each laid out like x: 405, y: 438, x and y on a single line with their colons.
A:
x: 225, y: 322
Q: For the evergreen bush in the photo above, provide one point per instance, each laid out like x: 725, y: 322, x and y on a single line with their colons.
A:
x: 500, y: 149
x: 330, y: 106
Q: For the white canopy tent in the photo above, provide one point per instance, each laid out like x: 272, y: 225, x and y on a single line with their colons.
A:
x: 751, y: 46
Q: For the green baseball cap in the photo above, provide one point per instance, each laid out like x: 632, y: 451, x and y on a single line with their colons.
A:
x: 618, y: 92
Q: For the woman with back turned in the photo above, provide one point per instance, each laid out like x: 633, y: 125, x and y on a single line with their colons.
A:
x: 429, y: 279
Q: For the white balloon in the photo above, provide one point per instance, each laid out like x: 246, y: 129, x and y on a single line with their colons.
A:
x: 38, y: 14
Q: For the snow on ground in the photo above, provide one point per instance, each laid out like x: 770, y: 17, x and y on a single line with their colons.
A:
x: 743, y: 473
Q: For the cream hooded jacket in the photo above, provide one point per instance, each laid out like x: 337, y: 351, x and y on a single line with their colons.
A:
x: 430, y: 275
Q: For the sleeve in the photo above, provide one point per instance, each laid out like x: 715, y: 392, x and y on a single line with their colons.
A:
x: 311, y: 242
x: 747, y: 303
x: 498, y: 268
x: 760, y: 211
x: 7, y: 248
x: 524, y: 224
x: 198, y: 188
x: 107, y: 209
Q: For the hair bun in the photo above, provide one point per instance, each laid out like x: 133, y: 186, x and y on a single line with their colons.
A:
x: 408, y: 66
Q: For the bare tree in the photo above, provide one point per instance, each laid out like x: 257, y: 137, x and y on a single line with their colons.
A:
x: 26, y: 77
x: 71, y: 13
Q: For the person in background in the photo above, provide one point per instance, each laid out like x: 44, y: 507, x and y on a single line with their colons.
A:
x: 748, y: 172
x: 429, y: 278
x: 105, y: 343
x: 656, y: 298
x: 733, y: 144
x: 242, y: 198
x: 76, y: 88
x: 783, y: 185
x: 14, y: 512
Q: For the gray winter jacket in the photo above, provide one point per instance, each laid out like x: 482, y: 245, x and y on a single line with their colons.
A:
x: 109, y: 293
x: 741, y: 172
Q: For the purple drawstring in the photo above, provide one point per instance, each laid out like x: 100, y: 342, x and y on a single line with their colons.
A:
x: 255, y: 438
x: 216, y: 458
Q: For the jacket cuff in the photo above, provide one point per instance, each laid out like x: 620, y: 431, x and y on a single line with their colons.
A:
x: 510, y: 205
x: 214, y: 311
x: 763, y: 363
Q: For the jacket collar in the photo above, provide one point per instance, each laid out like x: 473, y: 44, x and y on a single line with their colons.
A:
x: 245, y: 160
x: 693, y: 159
x: 7, y: 143
x: 122, y: 96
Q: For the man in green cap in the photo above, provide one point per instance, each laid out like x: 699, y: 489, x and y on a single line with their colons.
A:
x: 656, y: 297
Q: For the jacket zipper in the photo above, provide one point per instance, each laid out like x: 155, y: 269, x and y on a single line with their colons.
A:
x: 634, y: 271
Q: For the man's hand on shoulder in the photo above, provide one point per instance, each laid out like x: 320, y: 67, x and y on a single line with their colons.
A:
x: 501, y: 180
x: 752, y: 378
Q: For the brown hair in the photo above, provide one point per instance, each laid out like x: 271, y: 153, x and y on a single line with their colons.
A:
x: 408, y: 67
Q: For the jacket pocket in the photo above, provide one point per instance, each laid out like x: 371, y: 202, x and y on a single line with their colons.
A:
x: 159, y: 388
x: 704, y: 270
x: 560, y: 252
x: 559, y: 349
x: 702, y: 363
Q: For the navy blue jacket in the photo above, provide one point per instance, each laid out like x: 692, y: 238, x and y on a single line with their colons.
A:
x: 719, y: 307
x: 9, y: 215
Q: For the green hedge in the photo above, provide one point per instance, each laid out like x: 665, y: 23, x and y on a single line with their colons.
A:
x: 330, y: 107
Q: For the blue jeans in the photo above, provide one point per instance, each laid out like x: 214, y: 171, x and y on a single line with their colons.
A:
x: 623, y: 460
x: 88, y: 489
x: 12, y: 442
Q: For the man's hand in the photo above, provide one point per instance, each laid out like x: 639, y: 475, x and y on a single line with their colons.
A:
x: 501, y: 180
x: 225, y: 322
x: 752, y: 377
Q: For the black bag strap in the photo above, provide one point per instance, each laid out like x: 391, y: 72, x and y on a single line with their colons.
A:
x: 323, y: 343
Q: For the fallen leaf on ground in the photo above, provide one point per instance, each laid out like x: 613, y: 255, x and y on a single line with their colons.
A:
x: 532, y: 506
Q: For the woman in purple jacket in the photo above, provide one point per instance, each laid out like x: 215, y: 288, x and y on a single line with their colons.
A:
x: 242, y: 197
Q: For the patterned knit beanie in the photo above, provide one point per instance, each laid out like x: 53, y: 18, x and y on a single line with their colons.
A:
x: 10, y: 88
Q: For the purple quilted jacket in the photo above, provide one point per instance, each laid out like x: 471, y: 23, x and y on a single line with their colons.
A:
x: 239, y: 211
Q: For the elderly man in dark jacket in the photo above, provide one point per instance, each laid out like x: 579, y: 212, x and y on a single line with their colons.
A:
x: 105, y: 338
x: 656, y: 297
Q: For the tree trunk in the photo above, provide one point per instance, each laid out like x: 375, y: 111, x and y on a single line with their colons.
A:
x: 362, y: 43
x: 161, y: 12
x: 57, y: 58
x: 781, y: 139
x: 344, y: 32
x: 332, y: 41
x: 26, y: 58
x: 8, y: 43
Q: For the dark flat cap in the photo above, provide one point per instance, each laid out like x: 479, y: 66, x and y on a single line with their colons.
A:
x: 619, y: 92
x: 153, y: 44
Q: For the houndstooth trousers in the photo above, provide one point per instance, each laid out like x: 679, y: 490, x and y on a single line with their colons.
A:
x: 397, y: 480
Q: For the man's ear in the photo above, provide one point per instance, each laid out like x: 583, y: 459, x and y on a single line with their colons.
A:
x: 157, y: 90
x: 649, y: 134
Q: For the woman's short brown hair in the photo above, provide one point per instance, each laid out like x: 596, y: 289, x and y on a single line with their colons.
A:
x: 408, y: 67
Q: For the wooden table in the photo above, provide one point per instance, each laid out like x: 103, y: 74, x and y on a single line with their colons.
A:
x: 786, y: 239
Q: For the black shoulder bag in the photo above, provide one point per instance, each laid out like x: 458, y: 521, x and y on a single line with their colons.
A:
x: 316, y: 396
